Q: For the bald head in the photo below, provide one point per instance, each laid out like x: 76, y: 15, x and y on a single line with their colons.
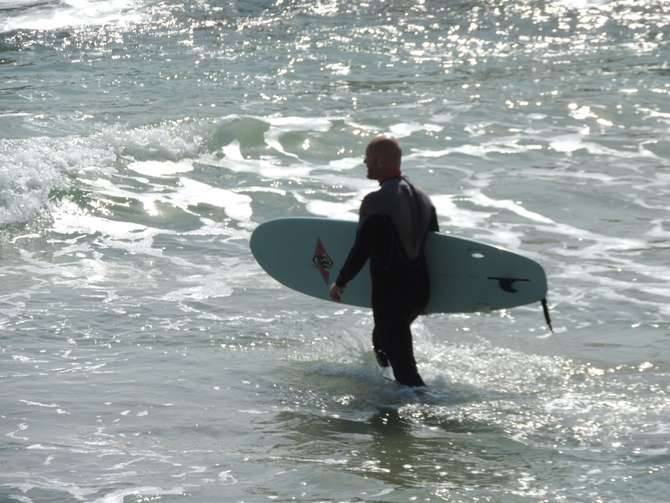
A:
x: 383, y: 157
x: 387, y: 149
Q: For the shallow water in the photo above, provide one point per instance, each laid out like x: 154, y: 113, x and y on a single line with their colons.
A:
x: 144, y: 355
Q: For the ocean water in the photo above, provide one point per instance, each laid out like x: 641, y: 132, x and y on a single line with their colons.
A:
x: 145, y: 356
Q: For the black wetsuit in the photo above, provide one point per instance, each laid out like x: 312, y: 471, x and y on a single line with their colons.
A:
x: 393, y: 224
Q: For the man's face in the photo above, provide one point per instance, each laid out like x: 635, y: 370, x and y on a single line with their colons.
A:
x: 373, y: 164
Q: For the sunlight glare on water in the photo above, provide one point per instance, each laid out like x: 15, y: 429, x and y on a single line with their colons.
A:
x: 144, y: 354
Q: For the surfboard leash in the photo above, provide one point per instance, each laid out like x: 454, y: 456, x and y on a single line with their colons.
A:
x: 545, y: 310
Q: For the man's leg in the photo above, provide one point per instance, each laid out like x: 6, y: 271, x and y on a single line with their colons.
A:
x: 377, y: 346
x: 395, y: 305
x: 392, y: 341
x: 401, y: 356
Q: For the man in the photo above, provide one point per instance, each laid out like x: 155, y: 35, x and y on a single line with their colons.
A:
x: 393, y: 224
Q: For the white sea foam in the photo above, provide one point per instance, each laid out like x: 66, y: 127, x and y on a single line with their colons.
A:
x: 573, y: 142
x: 280, y: 126
x: 31, y: 169
x: 120, y: 495
x: 139, y: 222
x: 482, y: 149
x: 71, y: 13
x: 185, y: 194
x: 404, y: 130
x: 233, y: 160
x: 20, y: 4
x: 161, y: 168
x: 456, y: 216
x: 295, y: 123
x: 70, y: 219
x: 192, y: 192
x: 51, y: 484
x: 480, y: 199
x: 169, y: 141
x: 205, y: 288
x: 39, y: 404
x: 347, y: 210
x: 345, y: 164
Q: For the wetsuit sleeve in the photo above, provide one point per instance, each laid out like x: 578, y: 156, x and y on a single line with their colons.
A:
x: 358, y: 255
x: 360, y: 250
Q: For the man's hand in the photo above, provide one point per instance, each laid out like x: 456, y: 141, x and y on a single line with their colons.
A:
x: 336, y: 293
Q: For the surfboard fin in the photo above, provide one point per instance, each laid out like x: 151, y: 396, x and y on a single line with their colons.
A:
x: 547, y: 318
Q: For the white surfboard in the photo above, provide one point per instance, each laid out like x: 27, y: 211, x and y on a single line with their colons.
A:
x: 306, y: 254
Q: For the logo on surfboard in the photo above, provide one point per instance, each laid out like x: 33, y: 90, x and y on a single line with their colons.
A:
x: 507, y: 284
x: 322, y: 261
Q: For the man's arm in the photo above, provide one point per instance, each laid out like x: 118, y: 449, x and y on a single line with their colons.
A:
x: 358, y: 255
x: 366, y: 238
x: 355, y: 261
x: 337, y: 288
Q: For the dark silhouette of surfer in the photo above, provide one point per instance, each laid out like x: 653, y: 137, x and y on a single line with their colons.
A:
x: 394, y: 222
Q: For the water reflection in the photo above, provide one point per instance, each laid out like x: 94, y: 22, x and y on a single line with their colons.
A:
x: 393, y: 446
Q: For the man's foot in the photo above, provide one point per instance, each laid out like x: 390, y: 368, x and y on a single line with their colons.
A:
x: 382, y: 359
x: 415, y: 382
